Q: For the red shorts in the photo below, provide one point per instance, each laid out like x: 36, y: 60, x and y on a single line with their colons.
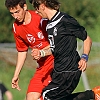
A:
x: 42, y: 76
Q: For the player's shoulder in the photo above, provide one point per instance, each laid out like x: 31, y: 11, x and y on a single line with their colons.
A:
x: 65, y: 16
x: 69, y: 18
x: 44, y: 21
x: 34, y: 14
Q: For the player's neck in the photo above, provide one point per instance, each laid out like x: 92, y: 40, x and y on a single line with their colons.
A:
x: 51, y: 13
x: 27, y: 18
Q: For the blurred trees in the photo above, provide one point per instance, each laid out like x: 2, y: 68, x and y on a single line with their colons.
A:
x: 6, y: 21
x: 85, y: 11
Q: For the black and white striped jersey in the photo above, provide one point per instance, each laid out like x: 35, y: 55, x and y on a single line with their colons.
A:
x: 63, y: 31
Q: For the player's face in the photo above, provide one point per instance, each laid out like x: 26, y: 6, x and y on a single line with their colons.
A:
x: 18, y: 13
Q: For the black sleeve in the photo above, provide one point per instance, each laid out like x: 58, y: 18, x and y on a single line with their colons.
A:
x: 74, y: 28
x: 3, y: 88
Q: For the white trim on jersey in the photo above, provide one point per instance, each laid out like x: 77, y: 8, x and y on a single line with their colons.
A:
x: 44, y: 93
x: 14, y: 28
x: 42, y: 21
x: 56, y: 16
x: 52, y: 24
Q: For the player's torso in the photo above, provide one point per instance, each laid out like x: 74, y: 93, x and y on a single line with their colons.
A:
x: 59, y: 36
x: 62, y: 44
x: 32, y: 34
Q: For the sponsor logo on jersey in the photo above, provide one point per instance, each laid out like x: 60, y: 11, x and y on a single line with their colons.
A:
x: 38, y: 46
x: 30, y: 38
x: 55, y: 31
x: 40, y: 35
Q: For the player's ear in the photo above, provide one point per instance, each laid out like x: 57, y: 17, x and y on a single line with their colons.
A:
x: 25, y: 7
x: 42, y: 6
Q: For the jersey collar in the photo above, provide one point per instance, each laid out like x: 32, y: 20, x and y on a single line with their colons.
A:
x: 55, y: 16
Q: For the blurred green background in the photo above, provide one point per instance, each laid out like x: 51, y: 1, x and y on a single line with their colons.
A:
x: 87, y: 12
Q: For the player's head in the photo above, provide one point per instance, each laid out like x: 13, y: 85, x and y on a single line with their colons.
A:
x: 52, y: 4
x: 42, y: 5
x: 17, y: 8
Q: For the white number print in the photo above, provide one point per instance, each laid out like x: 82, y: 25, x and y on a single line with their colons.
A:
x: 51, y: 40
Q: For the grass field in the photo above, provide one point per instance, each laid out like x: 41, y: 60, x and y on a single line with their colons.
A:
x: 6, y: 74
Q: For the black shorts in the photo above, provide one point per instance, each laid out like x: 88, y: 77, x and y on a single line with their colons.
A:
x: 62, y: 85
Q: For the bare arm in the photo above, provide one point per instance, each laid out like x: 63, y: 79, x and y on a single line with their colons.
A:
x: 47, y: 50
x: 87, y: 45
x: 9, y: 95
x: 37, y: 54
x: 20, y: 61
x: 86, y: 50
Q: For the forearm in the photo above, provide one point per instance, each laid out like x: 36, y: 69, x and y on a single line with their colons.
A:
x: 87, y: 45
x: 37, y: 54
x: 84, y: 57
x: 20, y: 61
x: 86, y: 48
x: 47, y: 50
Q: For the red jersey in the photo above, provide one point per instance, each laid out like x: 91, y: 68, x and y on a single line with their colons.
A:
x: 30, y: 35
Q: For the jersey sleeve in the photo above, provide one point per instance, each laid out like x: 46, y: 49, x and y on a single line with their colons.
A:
x: 20, y: 43
x: 3, y: 88
x: 74, y: 28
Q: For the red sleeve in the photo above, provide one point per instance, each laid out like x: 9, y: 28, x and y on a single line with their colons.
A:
x: 20, y: 44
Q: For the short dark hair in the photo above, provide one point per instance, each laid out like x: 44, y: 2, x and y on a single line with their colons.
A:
x: 13, y: 3
x: 31, y: 1
x: 52, y: 4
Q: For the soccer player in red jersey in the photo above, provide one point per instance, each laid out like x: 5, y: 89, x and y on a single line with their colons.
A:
x: 29, y: 31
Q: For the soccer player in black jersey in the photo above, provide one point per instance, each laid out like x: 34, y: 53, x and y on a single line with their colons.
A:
x: 63, y: 31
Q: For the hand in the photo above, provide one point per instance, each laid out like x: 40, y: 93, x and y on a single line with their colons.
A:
x: 35, y: 53
x: 15, y: 85
x: 82, y: 65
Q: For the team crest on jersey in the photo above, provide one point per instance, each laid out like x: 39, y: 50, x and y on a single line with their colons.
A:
x: 40, y: 35
x: 55, y: 31
x: 30, y: 38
